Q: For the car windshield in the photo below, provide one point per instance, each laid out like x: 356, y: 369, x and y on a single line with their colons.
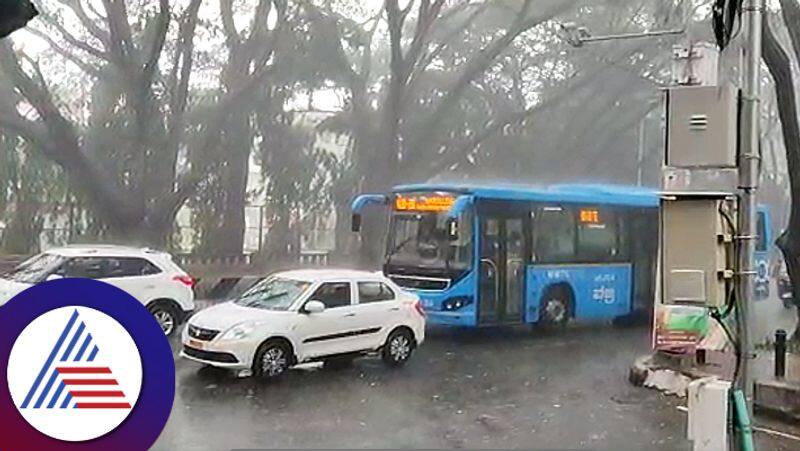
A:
x: 35, y: 269
x: 274, y: 293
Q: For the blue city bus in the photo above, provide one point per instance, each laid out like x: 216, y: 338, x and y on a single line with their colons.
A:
x: 484, y: 255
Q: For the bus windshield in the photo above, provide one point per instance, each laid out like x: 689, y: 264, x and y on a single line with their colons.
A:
x: 421, y: 240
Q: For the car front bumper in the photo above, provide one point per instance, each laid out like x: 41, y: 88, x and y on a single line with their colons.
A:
x: 233, y: 354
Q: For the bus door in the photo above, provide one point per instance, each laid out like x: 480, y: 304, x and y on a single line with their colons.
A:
x: 502, y: 268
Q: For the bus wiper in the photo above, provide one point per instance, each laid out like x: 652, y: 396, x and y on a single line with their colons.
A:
x: 399, y: 246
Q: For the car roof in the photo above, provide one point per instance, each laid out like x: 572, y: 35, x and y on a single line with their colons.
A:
x: 105, y: 250
x: 329, y: 274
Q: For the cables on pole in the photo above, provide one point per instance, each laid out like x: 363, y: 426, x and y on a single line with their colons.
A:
x: 725, y: 16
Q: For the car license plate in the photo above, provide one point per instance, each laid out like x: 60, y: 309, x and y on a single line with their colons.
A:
x: 196, y: 344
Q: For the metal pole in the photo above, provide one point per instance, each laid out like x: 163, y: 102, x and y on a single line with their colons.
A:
x: 640, y: 150
x: 752, y: 11
x: 646, y: 34
x: 780, y: 354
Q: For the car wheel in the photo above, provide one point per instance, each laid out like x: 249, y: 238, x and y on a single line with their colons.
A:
x: 271, y: 360
x: 555, y: 309
x: 398, y: 348
x: 166, y: 317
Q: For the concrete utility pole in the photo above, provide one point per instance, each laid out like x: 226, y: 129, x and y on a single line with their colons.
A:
x: 749, y: 162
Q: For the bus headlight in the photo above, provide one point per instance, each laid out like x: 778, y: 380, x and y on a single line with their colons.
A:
x: 456, y: 303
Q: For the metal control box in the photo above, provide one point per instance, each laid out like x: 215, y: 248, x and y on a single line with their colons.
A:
x: 697, y: 232
x: 707, y: 425
x: 702, y: 127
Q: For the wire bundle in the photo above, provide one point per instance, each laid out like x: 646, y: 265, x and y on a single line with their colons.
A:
x: 724, y: 18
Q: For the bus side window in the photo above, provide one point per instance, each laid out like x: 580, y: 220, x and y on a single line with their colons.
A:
x: 554, y: 235
x: 597, y: 239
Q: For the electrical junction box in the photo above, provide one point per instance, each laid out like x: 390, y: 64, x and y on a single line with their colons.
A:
x: 707, y: 425
x: 702, y: 129
x: 695, y: 64
x: 697, y: 248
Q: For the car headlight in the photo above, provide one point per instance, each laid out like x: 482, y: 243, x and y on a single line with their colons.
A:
x: 238, y: 332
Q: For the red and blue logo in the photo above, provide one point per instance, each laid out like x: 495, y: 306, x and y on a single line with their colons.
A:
x: 87, y: 367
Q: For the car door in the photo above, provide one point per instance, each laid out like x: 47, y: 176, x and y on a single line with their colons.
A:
x: 331, y: 331
x: 135, y: 275
x: 378, y: 311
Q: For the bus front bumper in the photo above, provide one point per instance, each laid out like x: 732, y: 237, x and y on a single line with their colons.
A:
x: 450, y: 318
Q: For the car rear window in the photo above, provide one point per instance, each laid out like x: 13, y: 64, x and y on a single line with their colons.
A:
x: 130, y: 267
x: 333, y: 294
x: 374, y: 292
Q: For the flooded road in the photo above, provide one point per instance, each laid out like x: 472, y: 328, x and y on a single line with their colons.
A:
x: 485, y: 388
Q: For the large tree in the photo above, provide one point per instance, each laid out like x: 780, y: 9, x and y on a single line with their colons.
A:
x: 457, y: 88
x: 170, y: 114
x: 779, y: 63
x: 124, y: 157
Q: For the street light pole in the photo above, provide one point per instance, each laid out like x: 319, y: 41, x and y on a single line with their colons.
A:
x: 749, y: 162
x: 644, y: 34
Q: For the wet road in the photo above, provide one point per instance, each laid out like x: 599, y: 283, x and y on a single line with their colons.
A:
x: 489, y: 388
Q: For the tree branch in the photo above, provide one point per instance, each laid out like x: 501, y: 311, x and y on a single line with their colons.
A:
x: 481, y: 62
x: 154, y: 53
x: 178, y: 85
x: 72, y: 40
x: 86, y: 21
x: 427, y: 58
x: 232, y: 38
x: 790, y: 10
x: 85, y: 66
x: 120, y: 33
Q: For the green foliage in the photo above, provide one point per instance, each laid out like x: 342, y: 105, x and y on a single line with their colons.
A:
x: 31, y: 189
x: 493, y: 92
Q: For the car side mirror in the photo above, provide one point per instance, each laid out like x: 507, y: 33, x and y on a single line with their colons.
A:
x: 54, y: 277
x: 313, y: 306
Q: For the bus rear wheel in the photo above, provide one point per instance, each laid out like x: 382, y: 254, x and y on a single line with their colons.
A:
x: 556, y: 308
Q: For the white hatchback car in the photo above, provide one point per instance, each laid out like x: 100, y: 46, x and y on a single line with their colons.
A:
x: 302, y: 316
x: 149, y: 276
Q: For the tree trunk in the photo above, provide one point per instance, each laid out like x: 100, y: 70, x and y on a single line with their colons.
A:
x: 229, y: 238
x: 343, y: 235
x: 779, y: 66
x: 382, y: 173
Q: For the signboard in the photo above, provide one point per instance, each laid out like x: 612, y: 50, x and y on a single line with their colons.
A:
x: 589, y: 216
x: 433, y: 202
x: 680, y: 328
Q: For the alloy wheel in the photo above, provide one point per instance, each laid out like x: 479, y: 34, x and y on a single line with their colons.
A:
x: 273, y: 362
x: 400, y: 348
x: 165, y: 320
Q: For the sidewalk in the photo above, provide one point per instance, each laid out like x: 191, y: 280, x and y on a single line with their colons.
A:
x: 778, y: 398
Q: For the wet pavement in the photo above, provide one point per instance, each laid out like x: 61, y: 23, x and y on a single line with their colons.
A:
x: 487, y: 388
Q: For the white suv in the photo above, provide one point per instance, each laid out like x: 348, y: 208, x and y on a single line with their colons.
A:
x: 303, y: 316
x: 149, y: 276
